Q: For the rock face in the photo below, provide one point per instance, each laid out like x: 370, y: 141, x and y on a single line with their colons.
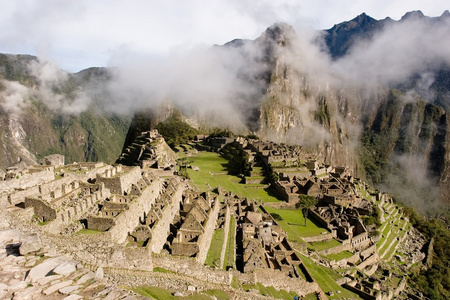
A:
x: 34, y: 119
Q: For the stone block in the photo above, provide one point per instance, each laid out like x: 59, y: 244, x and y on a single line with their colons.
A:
x: 56, y: 287
x: 9, y: 235
x: 47, y: 279
x: 44, y: 269
x: 66, y: 268
x: 86, y: 277
x: 29, y: 243
x: 69, y: 289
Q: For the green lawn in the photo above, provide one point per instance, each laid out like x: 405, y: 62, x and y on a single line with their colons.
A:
x: 319, y: 246
x: 154, y: 293
x: 341, y: 255
x: 292, y: 222
x: 88, y: 231
x: 326, y: 279
x: 213, y: 257
x: 220, y: 295
x: 229, y: 253
x: 210, y: 163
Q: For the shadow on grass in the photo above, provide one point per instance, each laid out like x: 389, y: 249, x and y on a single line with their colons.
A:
x: 295, y: 224
x: 316, y: 222
x: 273, y: 193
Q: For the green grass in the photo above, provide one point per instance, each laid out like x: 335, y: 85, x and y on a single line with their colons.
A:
x: 288, y: 296
x: 319, y: 246
x: 162, y: 270
x: 293, y: 223
x: 196, y: 296
x: 88, y: 231
x: 220, y: 295
x: 326, y: 279
x: 210, y: 162
x: 154, y: 293
x: 263, y: 290
x: 341, y: 255
x: 213, y: 257
x: 311, y: 296
x: 229, y: 252
x: 274, y: 293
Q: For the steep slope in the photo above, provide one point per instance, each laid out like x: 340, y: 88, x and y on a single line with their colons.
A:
x: 40, y: 116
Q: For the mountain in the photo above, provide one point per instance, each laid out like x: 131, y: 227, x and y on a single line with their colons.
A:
x: 45, y: 110
x: 388, y: 133
x: 281, y: 87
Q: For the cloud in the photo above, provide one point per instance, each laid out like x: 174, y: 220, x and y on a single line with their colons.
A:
x: 402, y: 50
x: 219, y: 80
x: 13, y: 97
x: 412, y: 185
x: 80, y: 34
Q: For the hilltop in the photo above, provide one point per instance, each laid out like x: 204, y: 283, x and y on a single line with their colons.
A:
x: 236, y: 217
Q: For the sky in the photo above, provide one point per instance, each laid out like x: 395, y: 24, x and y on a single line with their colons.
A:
x: 79, y: 34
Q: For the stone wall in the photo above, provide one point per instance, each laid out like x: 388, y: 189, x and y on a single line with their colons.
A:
x: 41, y: 208
x: 27, y: 180
x: 97, y: 250
x: 190, y: 267
x: 100, y: 223
x: 319, y: 238
x: 337, y: 249
x: 129, y: 219
x: 369, y: 261
x: 162, y: 228
x: 275, y: 278
x: 205, y: 239
x: 368, y: 252
x: 318, y: 218
x: 19, y: 196
x: 120, y: 182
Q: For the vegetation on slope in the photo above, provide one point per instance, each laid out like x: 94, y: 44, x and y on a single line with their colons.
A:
x: 175, y: 131
x: 433, y: 281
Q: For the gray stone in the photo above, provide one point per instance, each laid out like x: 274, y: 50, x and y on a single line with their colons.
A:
x: 9, y: 235
x: 66, y: 268
x: 17, y: 286
x: 45, y: 280
x: 28, y: 293
x: 56, y: 287
x: 191, y: 288
x: 73, y: 297
x: 86, y: 277
x: 69, y: 289
x: 44, y: 268
x: 30, y: 243
x: 99, y: 273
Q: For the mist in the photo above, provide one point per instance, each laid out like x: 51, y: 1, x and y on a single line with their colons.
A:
x: 402, y: 50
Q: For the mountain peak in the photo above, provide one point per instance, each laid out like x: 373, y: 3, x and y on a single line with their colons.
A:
x: 415, y: 14
x: 279, y: 32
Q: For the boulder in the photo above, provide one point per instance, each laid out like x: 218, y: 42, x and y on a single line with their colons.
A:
x: 44, y: 269
x: 9, y: 236
x: 88, y: 276
x: 30, y: 243
x: 56, y: 287
x: 66, y: 268
x: 99, y: 273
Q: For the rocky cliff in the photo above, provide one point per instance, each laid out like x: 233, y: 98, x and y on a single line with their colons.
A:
x: 44, y: 110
